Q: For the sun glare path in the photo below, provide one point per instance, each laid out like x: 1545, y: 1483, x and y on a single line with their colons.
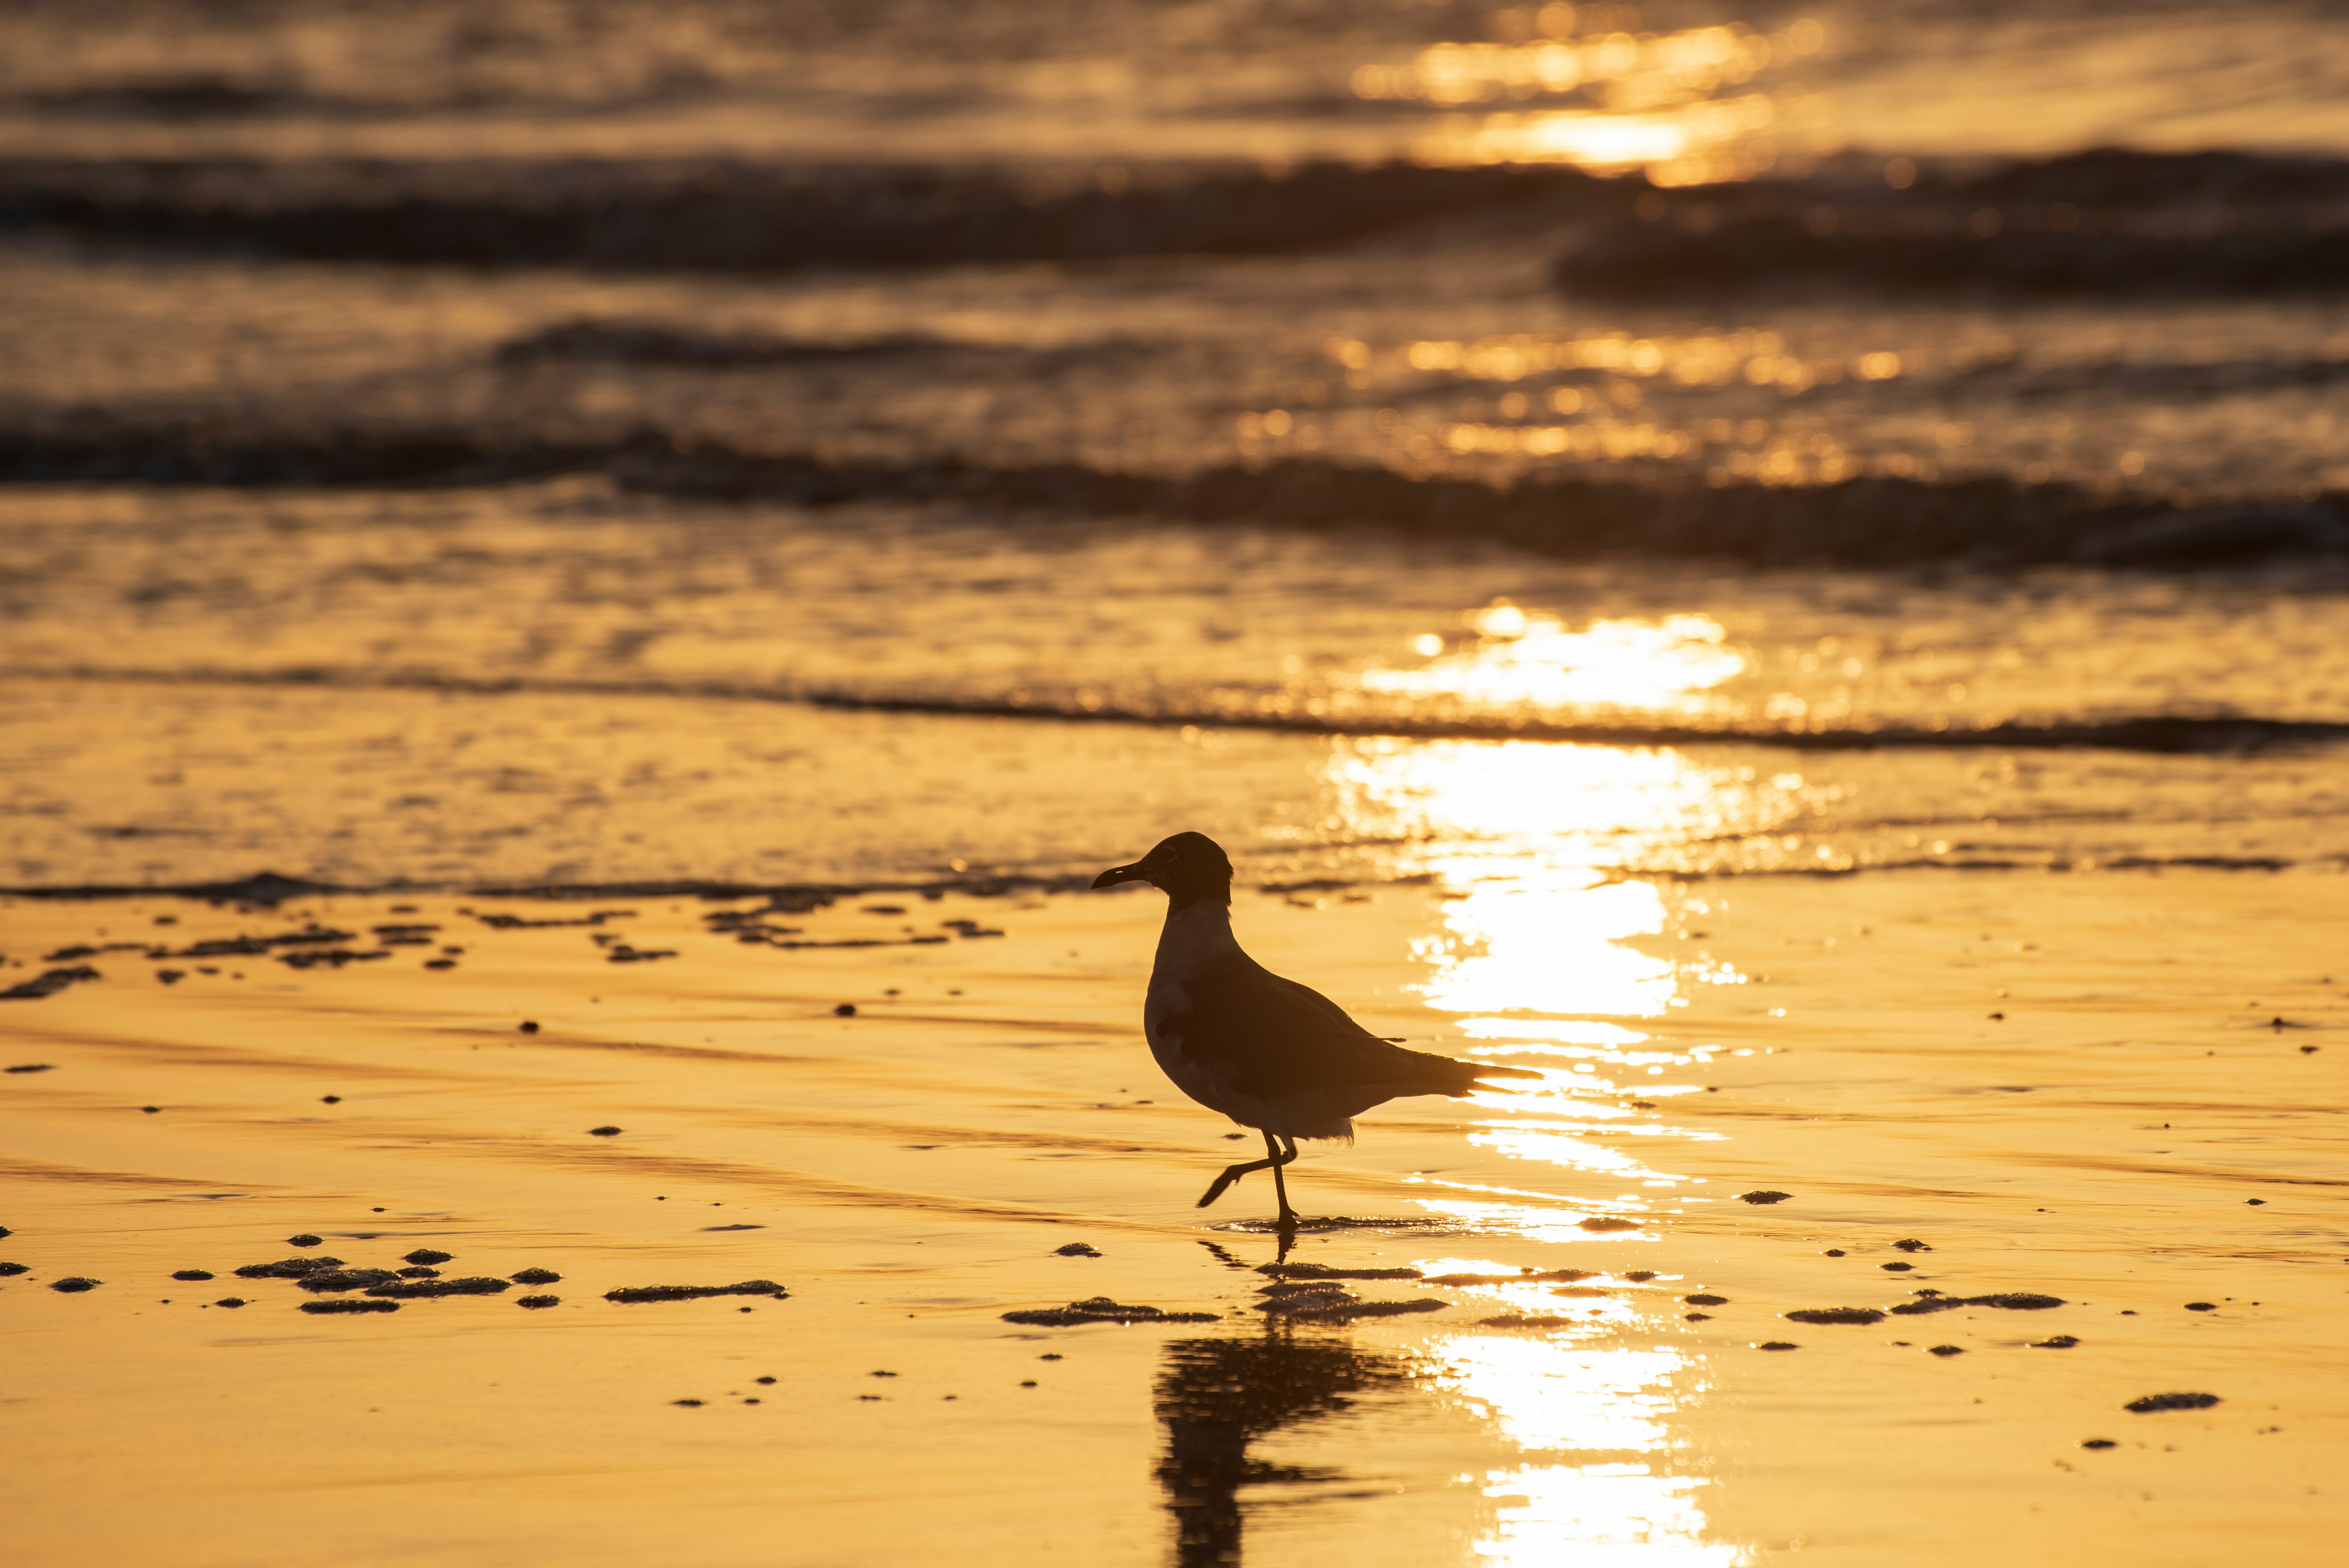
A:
x: 1544, y: 956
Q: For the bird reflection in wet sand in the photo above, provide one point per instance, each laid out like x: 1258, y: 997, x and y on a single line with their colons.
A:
x: 1269, y: 1053
x: 1218, y: 1396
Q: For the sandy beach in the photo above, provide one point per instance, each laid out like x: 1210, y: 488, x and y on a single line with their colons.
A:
x: 2064, y: 1086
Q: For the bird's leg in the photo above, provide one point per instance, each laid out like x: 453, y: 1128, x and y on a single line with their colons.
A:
x: 1280, y: 1187
x: 1233, y: 1173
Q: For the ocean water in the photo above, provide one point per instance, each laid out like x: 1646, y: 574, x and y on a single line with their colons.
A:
x: 1272, y: 416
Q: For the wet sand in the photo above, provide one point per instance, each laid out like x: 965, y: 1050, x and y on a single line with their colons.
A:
x: 2068, y: 1085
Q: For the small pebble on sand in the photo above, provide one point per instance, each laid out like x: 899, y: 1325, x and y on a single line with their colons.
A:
x: 305, y: 1239
x: 603, y: 1132
x: 845, y: 1010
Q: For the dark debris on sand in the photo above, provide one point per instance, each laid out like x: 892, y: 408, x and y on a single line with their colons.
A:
x: 348, y: 1305
x: 536, y: 1277
x: 289, y: 1267
x: 9, y: 1271
x: 479, y: 1285
x: 1326, y: 1300
x: 503, y: 922
x: 329, y: 1279
x: 692, y: 1292
x: 1101, y: 1309
x: 1833, y: 1314
x: 2009, y: 1301
x: 49, y: 983
x: 1077, y: 1250
x: 73, y: 1284
x: 2153, y: 1402
x: 1763, y: 1195
x: 1522, y: 1277
x: 2060, y: 1342
x: 534, y: 1302
x: 426, y: 1255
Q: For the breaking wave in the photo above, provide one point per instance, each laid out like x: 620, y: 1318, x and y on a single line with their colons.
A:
x: 2102, y: 224
x: 2218, y: 734
x: 1983, y: 521
x: 2105, y: 224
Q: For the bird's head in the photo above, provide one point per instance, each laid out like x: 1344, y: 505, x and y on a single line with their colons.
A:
x: 1188, y: 866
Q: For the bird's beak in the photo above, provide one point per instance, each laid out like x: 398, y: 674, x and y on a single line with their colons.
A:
x: 1116, y: 873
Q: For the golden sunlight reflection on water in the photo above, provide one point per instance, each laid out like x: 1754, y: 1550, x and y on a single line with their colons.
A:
x: 1677, y: 105
x: 1546, y: 945
x: 1609, y: 1406
x: 1541, y: 953
x: 1662, y: 666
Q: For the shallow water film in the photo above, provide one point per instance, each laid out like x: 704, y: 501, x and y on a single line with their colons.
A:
x: 587, y: 590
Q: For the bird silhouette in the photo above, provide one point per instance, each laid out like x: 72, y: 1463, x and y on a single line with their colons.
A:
x: 1267, y: 1052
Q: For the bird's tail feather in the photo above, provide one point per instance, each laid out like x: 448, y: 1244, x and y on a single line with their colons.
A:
x: 1456, y: 1077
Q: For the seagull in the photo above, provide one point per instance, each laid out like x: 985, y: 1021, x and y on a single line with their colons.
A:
x: 1267, y: 1052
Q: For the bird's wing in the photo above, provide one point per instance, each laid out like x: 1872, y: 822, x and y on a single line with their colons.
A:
x: 1268, y: 1036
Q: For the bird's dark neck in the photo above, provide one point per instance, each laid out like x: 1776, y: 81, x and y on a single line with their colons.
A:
x: 1196, y: 933
x: 1204, y: 895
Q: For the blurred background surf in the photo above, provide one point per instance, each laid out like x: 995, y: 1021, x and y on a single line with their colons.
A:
x: 594, y: 443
